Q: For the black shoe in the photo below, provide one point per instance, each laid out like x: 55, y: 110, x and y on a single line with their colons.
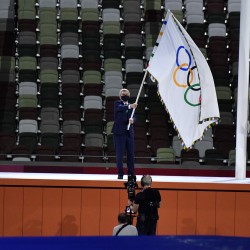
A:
x: 120, y: 176
x: 131, y: 177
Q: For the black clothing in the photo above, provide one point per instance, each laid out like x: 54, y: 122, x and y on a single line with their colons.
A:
x: 148, y: 201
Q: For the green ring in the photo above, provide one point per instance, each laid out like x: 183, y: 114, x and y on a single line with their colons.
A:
x: 185, y: 95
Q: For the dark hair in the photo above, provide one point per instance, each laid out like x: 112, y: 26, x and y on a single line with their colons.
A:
x: 122, y: 218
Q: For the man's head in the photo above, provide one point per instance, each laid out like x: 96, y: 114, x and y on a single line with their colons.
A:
x: 122, y: 218
x: 146, y: 180
x: 124, y: 94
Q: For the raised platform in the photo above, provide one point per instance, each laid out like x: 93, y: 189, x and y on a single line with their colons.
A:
x: 109, y: 168
x: 49, y: 204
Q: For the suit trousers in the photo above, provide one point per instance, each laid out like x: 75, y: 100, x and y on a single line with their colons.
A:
x: 124, y: 142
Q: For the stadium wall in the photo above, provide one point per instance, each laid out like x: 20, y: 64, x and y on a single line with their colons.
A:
x: 90, y: 208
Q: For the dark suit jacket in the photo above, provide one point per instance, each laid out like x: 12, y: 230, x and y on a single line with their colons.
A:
x: 122, y: 113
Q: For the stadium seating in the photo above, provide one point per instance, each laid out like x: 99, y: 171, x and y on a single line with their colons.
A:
x: 62, y: 64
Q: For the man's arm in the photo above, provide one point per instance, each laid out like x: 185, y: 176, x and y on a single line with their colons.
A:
x: 120, y: 107
x: 133, y: 206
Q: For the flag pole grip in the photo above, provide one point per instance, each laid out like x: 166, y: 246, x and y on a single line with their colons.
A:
x: 138, y: 95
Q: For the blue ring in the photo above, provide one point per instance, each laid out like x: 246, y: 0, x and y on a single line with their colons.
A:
x: 189, y: 56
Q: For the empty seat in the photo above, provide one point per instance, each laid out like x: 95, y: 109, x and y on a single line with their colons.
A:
x: 93, y: 139
x: 51, y: 140
x: 93, y: 151
x: 27, y: 88
x: 45, y: 153
x: 69, y: 51
x: 21, y: 153
x: 69, y: 154
x: 203, y: 145
x: 177, y: 146
x: 159, y: 138
x: 49, y: 95
x: 89, y: 4
x: 92, y: 82
x: 231, y: 157
x: 110, y: 14
x: 92, y: 102
x: 47, y: 3
x: 213, y: 157
x: 70, y: 76
x: 216, y: 29
x: 165, y: 156
x: 93, y: 121
x: 189, y: 155
x: 71, y: 126
x: 8, y: 141
x: 134, y: 65
x: 27, y: 101
x: 68, y: 3
x: 72, y: 140
x: 112, y: 64
x: 142, y: 153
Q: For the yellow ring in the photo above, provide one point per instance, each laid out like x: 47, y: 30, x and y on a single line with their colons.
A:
x: 174, y: 76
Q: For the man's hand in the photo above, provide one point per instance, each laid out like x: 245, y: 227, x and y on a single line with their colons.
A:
x: 131, y: 120
x: 133, y: 105
x: 130, y: 203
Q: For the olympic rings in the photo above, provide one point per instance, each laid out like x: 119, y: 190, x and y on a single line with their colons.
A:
x: 185, y: 96
x: 189, y: 56
x: 190, y: 76
x: 190, y: 81
x: 174, y: 76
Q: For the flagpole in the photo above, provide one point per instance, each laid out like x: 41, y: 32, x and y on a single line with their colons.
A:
x: 243, y: 84
x: 138, y: 95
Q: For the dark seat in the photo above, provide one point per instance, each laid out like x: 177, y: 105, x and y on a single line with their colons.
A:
x: 69, y: 26
x: 153, y: 16
x: 50, y: 140
x: 7, y: 141
x: 110, y: 149
x: 114, y: 4
x: 132, y: 27
x: 93, y: 154
x: 72, y: 140
x: 190, y: 155
x: 28, y: 113
x: 70, y: 96
x: 70, y: 64
x: 159, y: 138
x: 20, y: 152
x: 45, y: 153
x: 90, y: 28
x: 71, y: 114
x: 213, y: 157
x: 69, y: 154
x: 112, y: 46
x: 27, y: 25
x: 29, y: 140
x: 49, y: 95
x: 142, y: 153
x: 109, y: 106
x: 93, y: 121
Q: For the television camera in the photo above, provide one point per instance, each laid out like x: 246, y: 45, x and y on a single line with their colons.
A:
x: 130, y: 185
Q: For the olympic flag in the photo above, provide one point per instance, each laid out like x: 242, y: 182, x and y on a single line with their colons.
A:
x: 185, y: 82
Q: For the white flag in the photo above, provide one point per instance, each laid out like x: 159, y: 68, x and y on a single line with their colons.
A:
x: 185, y: 82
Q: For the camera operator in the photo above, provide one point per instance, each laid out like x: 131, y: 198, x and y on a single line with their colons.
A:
x: 146, y: 202
x: 124, y: 228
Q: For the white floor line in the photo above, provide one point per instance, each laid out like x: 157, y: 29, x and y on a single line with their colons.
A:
x: 106, y: 177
